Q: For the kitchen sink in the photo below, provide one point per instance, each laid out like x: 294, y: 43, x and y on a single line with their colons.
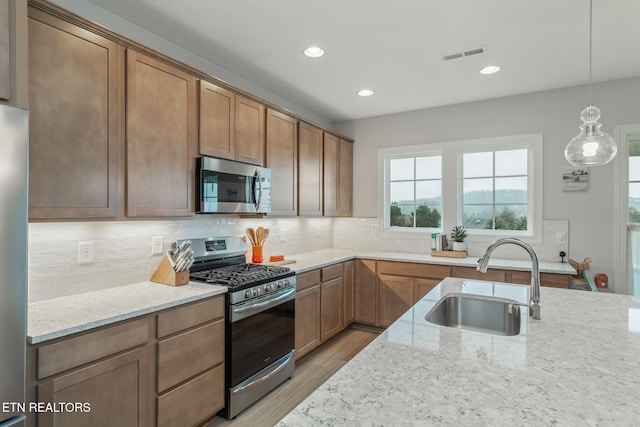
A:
x: 491, y: 315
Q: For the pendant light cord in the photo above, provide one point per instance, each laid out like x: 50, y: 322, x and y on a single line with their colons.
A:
x: 590, y: 43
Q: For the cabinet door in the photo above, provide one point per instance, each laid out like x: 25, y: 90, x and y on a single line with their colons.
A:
x: 349, y: 309
x: 161, y: 135
x: 249, y: 131
x: 366, y: 292
x: 307, y: 321
x: 396, y: 297
x: 309, y: 170
x: 345, y: 180
x: 331, y: 174
x: 422, y: 287
x: 282, y: 159
x: 116, y: 390
x: 216, y: 121
x: 331, y: 308
x: 76, y: 91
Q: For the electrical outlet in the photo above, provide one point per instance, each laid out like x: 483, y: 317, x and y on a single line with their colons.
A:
x: 561, y: 237
x: 85, y: 252
x: 156, y: 245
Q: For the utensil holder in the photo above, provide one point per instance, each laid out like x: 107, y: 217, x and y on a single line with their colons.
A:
x: 256, y: 254
x: 166, y: 275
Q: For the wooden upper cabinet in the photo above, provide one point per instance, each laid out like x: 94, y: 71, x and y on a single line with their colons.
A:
x: 216, y: 121
x: 249, y: 131
x: 76, y: 85
x: 231, y: 126
x: 331, y: 170
x: 161, y: 138
x: 309, y: 170
x: 345, y: 180
x: 282, y: 159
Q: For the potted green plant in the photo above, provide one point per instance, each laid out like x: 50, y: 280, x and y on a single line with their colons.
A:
x: 458, y: 234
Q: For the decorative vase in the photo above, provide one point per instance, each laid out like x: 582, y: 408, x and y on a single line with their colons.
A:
x: 459, y: 246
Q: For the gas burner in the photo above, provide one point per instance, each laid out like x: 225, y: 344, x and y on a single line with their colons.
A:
x: 240, y: 276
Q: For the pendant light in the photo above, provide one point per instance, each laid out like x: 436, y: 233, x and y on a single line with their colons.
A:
x: 591, y: 147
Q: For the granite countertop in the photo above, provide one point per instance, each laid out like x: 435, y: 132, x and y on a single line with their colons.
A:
x: 67, y: 315
x: 317, y: 259
x: 64, y: 316
x: 576, y: 366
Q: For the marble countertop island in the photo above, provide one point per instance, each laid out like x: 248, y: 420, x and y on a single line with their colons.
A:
x: 578, y: 366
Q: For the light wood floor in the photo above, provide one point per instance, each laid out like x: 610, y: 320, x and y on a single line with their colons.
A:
x: 310, y: 373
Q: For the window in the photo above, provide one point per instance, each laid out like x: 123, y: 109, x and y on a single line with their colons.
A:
x: 494, y: 189
x: 492, y: 186
x: 414, y: 191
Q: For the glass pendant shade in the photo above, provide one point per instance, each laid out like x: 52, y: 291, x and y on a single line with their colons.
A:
x: 592, y: 147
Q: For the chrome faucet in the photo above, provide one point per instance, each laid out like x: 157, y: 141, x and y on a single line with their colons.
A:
x: 534, y: 294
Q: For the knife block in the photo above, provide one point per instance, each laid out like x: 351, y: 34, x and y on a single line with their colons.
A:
x: 165, y: 274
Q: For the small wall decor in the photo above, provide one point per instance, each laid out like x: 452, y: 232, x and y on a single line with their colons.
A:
x: 575, y: 178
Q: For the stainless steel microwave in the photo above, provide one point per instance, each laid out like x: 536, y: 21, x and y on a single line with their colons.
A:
x: 225, y: 186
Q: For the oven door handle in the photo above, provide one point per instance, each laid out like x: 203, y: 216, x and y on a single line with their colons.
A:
x: 266, y: 377
x: 266, y: 304
x: 257, y: 189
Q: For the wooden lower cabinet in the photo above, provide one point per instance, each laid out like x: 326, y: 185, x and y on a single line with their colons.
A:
x: 307, y: 323
x: 366, y: 292
x: 193, y: 402
x: 324, y: 305
x: 331, y: 308
x: 349, y: 283
x: 396, y: 297
x: 115, y: 392
x: 385, y: 290
x: 164, y: 369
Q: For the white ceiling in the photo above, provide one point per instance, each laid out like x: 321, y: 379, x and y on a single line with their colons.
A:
x: 395, y: 47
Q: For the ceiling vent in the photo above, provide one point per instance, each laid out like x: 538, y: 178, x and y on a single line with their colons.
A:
x: 463, y: 54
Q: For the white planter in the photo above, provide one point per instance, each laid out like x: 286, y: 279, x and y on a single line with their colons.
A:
x: 459, y: 246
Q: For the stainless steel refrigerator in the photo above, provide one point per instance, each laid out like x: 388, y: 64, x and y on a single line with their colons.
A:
x: 14, y: 167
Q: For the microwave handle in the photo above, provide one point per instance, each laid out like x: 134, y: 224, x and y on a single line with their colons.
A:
x: 257, y: 188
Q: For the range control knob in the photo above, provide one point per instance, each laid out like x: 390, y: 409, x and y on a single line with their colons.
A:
x: 255, y: 292
x: 280, y: 284
x: 268, y: 287
x: 286, y: 282
x: 247, y: 294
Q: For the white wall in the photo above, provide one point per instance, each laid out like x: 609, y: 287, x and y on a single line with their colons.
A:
x: 555, y: 114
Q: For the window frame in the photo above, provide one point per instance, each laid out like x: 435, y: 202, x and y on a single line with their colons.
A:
x: 386, y: 202
x: 451, y: 153
x: 530, y: 190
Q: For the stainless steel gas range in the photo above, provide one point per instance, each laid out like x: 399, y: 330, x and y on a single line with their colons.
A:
x: 260, y: 319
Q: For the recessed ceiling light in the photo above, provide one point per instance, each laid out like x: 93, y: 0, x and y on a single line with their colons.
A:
x: 314, y: 52
x: 490, y: 69
x: 365, y: 92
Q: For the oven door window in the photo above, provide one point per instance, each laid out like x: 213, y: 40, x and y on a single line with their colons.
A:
x: 260, y: 339
x: 218, y: 187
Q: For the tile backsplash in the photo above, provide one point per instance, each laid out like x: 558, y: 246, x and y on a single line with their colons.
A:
x: 122, y: 253
x: 358, y: 233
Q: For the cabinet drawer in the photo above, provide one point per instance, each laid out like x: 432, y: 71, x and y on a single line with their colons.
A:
x: 331, y: 272
x: 74, y: 352
x: 414, y: 269
x: 184, y: 318
x: 308, y: 279
x: 546, y: 279
x: 472, y: 273
x: 185, y: 355
x: 193, y: 402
